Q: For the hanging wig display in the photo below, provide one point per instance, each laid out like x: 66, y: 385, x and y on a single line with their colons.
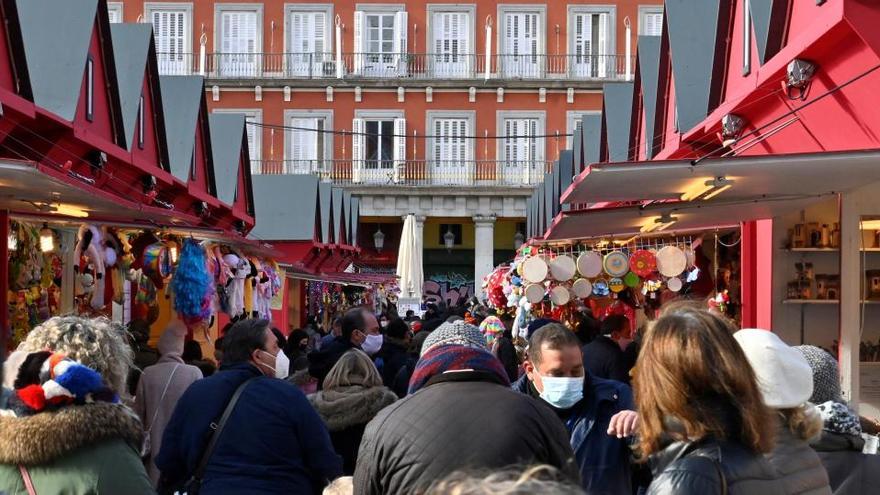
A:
x: 193, y: 286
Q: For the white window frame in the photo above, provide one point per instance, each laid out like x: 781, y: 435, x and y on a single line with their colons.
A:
x: 432, y: 116
x: 187, y: 7
x: 117, y: 7
x: 611, y: 35
x: 645, y: 10
x: 370, y: 9
x: 442, y: 8
x: 90, y: 89
x: 572, y: 117
x: 256, y: 114
x: 380, y: 174
x: 327, y: 115
x: 329, y: 33
x: 530, y: 8
x: 219, y: 9
x: 528, y: 176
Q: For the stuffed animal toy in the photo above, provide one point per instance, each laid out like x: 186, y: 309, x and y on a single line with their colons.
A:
x: 235, y: 286
x: 89, y: 245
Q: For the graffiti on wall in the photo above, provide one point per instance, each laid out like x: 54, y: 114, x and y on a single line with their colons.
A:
x: 452, y: 288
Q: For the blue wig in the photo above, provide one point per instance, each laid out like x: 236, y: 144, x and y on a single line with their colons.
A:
x: 192, y: 283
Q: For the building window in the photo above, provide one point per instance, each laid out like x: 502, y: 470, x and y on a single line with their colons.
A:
x: 521, y: 150
x: 747, y: 37
x: 140, y: 120
x: 572, y: 120
x: 114, y: 12
x: 651, y: 20
x: 380, y: 40
x: 192, y: 163
x: 90, y: 89
x: 309, y: 40
x: 309, y: 148
x: 379, y: 145
x: 521, y: 42
x: 172, y: 28
x: 592, y: 46
x: 240, y: 40
x: 450, y: 149
x: 451, y: 40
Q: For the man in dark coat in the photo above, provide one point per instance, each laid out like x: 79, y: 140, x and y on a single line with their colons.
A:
x: 393, y: 354
x: 356, y: 324
x: 597, y: 413
x: 460, y: 414
x: 273, y: 442
x: 603, y: 357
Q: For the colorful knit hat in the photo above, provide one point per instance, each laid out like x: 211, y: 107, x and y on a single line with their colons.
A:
x: 492, y: 328
x: 48, y: 381
x: 458, y: 333
x: 452, y: 357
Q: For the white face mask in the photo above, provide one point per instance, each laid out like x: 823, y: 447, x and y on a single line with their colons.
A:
x: 372, y: 344
x: 282, y: 364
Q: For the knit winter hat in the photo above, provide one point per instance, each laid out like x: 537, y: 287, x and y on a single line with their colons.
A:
x: 826, y: 376
x: 457, y: 333
x: 784, y: 376
x: 171, y: 341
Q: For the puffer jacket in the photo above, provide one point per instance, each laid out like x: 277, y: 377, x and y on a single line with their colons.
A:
x: 76, y: 450
x: 797, y: 465
x: 702, y: 468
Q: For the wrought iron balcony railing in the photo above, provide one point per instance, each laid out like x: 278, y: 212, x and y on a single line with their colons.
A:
x: 508, y: 173
x: 412, y: 66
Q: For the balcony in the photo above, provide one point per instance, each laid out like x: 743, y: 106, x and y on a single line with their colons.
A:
x: 476, y: 173
x: 406, y: 66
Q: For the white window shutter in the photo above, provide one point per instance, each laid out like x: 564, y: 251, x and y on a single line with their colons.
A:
x: 318, y: 32
x: 602, y: 49
x: 359, y: 24
x: 400, y: 41
x: 358, y: 148
x: 399, y: 148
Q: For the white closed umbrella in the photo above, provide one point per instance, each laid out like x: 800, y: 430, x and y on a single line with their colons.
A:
x: 409, y: 260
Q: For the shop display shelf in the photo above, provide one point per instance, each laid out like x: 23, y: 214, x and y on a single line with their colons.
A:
x: 810, y: 301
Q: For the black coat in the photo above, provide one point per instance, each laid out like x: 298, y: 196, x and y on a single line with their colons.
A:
x: 505, y: 351
x: 604, y: 359
x: 461, y: 421
x: 390, y: 358
x: 320, y: 362
x: 849, y: 470
x: 703, y: 468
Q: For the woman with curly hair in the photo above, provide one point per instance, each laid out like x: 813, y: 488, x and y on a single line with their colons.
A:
x: 64, y: 429
x: 703, y: 423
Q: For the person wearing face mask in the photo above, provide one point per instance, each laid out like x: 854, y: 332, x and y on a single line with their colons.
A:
x: 597, y: 413
x: 272, y: 441
x: 604, y: 356
x: 357, y: 325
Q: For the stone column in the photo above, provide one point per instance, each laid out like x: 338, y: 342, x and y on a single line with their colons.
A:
x: 484, y: 248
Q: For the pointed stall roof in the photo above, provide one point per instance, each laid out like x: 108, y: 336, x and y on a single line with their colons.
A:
x: 529, y: 220
x: 286, y: 207
x: 182, y: 97
x: 696, y: 29
x: 131, y: 44
x: 648, y: 69
x: 566, y: 174
x: 326, y: 193
x: 56, y: 37
x: 346, y: 203
x: 355, y: 220
x: 618, y: 119
x: 338, y: 216
x: 228, y: 136
x: 768, y: 20
x: 591, y: 128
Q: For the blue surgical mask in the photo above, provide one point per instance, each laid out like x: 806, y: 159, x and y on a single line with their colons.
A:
x: 562, y: 392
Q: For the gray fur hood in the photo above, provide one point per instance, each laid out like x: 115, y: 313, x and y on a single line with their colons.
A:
x: 349, y: 406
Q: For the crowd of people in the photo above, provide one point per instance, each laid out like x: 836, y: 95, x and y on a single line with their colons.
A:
x: 453, y: 402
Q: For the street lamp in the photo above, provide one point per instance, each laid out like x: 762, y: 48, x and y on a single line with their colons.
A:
x: 518, y: 240
x: 379, y: 239
x: 449, y: 239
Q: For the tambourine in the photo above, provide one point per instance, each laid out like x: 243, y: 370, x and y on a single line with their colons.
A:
x: 643, y: 263
x: 616, y: 264
x: 582, y: 288
x: 534, y: 269
x: 563, y: 268
x: 600, y: 288
x: 589, y: 264
x: 631, y: 279
x: 616, y: 285
x: 671, y: 261
x: 674, y: 284
x: 559, y: 295
x: 534, y: 293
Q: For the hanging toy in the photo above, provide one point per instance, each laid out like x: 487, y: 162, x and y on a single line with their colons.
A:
x: 88, y: 244
x: 156, y: 263
x: 235, y: 286
x: 192, y: 284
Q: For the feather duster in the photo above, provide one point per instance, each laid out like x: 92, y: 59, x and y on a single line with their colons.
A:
x: 192, y: 284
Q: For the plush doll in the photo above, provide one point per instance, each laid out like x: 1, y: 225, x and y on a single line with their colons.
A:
x: 89, y: 245
x: 235, y: 286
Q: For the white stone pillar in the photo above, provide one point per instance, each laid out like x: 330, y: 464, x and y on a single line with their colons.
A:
x: 484, y: 248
